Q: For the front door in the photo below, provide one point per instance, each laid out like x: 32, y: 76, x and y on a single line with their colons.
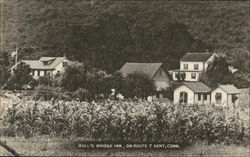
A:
x: 183, y: 97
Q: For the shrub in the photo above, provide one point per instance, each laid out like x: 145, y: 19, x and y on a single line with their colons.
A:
x: 82, y: 94
x: 45, y: 80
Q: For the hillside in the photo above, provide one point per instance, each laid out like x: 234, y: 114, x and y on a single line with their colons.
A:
x: 111, y: 33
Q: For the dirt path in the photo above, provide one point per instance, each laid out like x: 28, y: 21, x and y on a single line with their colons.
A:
x: 4, y: 152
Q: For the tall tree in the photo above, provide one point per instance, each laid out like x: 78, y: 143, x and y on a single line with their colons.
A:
x: 138, y: 85
x: 20, y: 77
x: 218, y: 73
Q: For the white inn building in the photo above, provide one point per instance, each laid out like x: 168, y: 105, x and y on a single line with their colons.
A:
x: 46, y: 66
x: 192, y: 65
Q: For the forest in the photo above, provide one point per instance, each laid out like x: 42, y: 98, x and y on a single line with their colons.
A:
x: 109, y: 33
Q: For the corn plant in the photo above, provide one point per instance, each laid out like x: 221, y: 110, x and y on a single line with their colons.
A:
x: 129, y: 120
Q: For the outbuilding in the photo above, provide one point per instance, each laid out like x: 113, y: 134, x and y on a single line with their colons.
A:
x: 156, y: 72
x: 225, y: 95
x: 192, y: 93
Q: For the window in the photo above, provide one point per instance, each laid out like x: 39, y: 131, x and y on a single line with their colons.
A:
x: 183, y: 97
x: 196, y: 66
x: 234, y: 98
x: 45, y: 62
x: 199, y: 97
x: 205, y: 96
x: 38, y: 72
x: 33, y: 72
x: 183, y: 76
x: 176, y: 75
x: 65, y: 64
x: 218, y: 98
x: 186, y: 66
x: 193, y: 75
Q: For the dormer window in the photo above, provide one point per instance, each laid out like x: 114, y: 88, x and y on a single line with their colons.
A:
x: 45, y: 62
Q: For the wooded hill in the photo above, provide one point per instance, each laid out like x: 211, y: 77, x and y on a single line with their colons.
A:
x: 110, y: 33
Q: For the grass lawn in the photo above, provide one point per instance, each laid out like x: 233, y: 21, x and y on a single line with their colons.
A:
x: 41, y: 146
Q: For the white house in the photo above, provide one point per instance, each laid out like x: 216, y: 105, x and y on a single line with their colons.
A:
x: 192, y: 65
x: 45, y: 66
x: 155, y: 71
x: 225, y: 95
x: 192, y: 93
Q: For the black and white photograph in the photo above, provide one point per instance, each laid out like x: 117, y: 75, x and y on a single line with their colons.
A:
x: 122, y: 78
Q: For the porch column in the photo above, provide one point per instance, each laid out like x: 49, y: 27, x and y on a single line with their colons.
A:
x: 202, y: 98
x: 195, y: 95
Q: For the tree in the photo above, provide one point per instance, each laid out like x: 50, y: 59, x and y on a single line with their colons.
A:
x: 4, y: 64
x: 20, y: 77
x: 117, y: 82
x: 76, y: 76
x: 4, y: 75
x: 217, y: 73
x: 107, y: 34
x: 240, y: 59
x: 73, y: 77
x: 138, y: 85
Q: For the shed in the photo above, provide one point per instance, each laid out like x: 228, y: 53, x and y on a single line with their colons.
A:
x: 225, y: 95
x: 192, y: 92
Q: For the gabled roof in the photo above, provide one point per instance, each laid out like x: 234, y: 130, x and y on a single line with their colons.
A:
x: 197, y: 87
x: 196, y: 57
x: 148, y: 68
x: 38, y: 64
x: 230, y: 89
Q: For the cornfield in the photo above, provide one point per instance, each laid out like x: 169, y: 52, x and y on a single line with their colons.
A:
x: 129, y: 120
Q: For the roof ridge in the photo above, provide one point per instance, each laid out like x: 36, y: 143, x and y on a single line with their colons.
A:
x: 144, y: 63
x: 199, y: 52
x: 29, y: 60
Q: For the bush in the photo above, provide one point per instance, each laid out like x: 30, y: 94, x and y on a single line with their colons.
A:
x: 133, y: 121
x: 82, y: 94
x: 45, y: 80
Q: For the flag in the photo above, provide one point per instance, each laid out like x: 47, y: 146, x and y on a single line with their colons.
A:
x: 13, y: 54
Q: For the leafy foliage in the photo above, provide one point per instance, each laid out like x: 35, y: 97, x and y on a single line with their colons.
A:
x: 21, y: 76
x: 132, y: 121
x: 75, y: 76
x: 4, y: 75
x: 138, y: 85
x: 217, y: 72
x: 240, y: 59
x: 107, y: 34
x: 4, y: 64
x: 45, y: 80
